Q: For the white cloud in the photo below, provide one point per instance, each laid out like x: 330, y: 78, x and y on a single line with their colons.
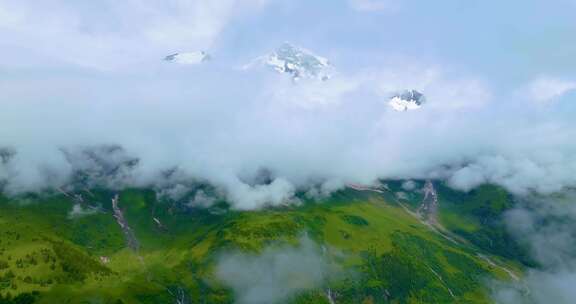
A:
x: 442, y: 91
x: 312, y: 94
x: 248, y: 197
x: 201, y: 199
x: 520, y: 174
x: 217, y: 124
x: 547, y: 89
x: 108, y: 34
x: 78, y: 211
x: 546, y: 226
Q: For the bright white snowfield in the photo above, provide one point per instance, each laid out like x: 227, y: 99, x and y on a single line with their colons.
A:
x: 299, y: 62
x: 408, y: 100
x: 296, y: 61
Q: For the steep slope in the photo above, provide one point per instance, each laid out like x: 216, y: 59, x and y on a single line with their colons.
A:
x: 297, y: 62
x: 385, y: 255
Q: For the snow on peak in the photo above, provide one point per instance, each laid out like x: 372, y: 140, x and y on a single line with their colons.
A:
x: 407, y: 100
x: 298, y: 62
x: 197, y: 57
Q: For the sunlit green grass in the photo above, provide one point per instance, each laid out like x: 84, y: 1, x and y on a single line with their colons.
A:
x: 356, y: 228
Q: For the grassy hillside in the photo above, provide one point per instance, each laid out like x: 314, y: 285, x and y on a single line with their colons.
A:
x: 46, y: 256
x: 478, y: 217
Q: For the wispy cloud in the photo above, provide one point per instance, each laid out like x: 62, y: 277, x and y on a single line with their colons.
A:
x: 546, y: 226
x: 276, y: 274
x: 546, y: 89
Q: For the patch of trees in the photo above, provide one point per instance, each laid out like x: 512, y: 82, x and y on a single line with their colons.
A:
x: 413, y: 271
x: 6, y: 280
x: 23, y: 298
x: 355, y: 220
x: 76, y: 264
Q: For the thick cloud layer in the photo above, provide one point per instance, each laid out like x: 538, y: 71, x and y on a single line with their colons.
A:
x: 97, y: 86
x: 220, y: 124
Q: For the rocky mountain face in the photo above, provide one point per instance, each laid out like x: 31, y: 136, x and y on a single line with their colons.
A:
x: 407, y: 100
x: 188, y: 58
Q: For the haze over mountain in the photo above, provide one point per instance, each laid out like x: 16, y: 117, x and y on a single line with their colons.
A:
x: 363, y: 92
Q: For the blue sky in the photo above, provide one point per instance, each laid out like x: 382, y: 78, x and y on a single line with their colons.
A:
x: 512, y: 40
x: 506, y: 40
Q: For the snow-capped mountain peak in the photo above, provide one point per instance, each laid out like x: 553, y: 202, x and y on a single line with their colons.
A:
x: 298, y: 62
x: 407, y: 100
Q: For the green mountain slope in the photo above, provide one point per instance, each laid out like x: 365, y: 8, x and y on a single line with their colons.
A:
x: 385, y: 253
